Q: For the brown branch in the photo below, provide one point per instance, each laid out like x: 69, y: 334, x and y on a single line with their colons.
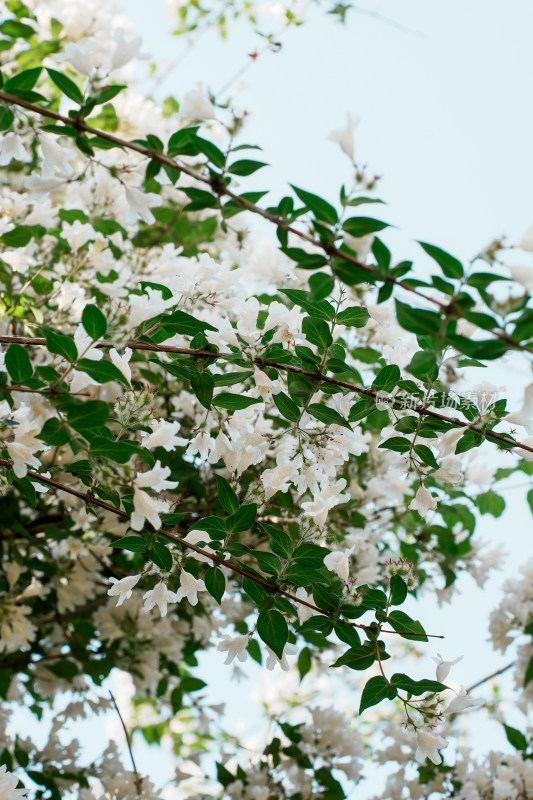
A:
x: 220, y: 188
x: 169, y: 534
x: 138, y: 779
x: 489, y: 677
x: 135, y: 344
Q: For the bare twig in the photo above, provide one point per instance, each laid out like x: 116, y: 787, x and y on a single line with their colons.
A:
x: 138, y: 779
x: 489, y: 677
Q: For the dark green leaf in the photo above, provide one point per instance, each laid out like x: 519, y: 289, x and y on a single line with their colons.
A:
x: 226, y: 496
x: 67, y: 86
x: 18, y: 237
x: 90, y: 414
x: 61, y: 345
x: 451, y: 266
x: 398, y: 590
x: 320, y: 207
x: 101, y: 371
x: 18, y: 363
x: 180, y: 322
x: 490, y: 503
x: 361, y: 226
x: 280, y: 542
x: 215, y: 583
x: 234, y: 402
x: 272, y: 629
x: 358, y: 657
x: 376, y: 690
x: 268, y: 562
x: 243, y: 518
x: 121, y: 452
x: 286, y: 407
x: 468, y: 440
x: 416, y: 688
x: 396, y: 443
x: 54, y: 433
x: 161, y: 556
x: 317, y: 331
x: 327, y: 415
x: 386, y: 379
x: 203, y: 385
x: 94, y: 322
x: 515, y: 738
x: 402, y: 622
x: 417, y: 320
x: 424, y: 366
x: 355, y: 317
x: 246, y: 167
x: 134, y: 543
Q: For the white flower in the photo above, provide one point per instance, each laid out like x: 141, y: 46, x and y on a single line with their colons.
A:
x: 428, y: 745
x: 524, y: 275
x: 159, y: 596
x: 234, y: 646
x: 446, y: 444
x: 140, y: 203
x: 339, y: 562
x: 524, y: 416
x: 155, y: 478
x: 272, y: 660
x: 304, y: 612
x: 189, y: 587
x: 197, y: 105
x: 164, y: 434
x: 526, y: 242
x: 462, y: 702
x: 11, y: 147
x: 82, y: 55
x: 444, y: 667
x: 147, y: 508
x: 123, y: 588
x: 327, y: 498
x: 125, y: 51
x: 449, y: 470
x: 8, y: 782
x: 423, y: 501
x: 56, y: 159
x: 195, y: 536
x: 344, y: 136
x: 122, y: 362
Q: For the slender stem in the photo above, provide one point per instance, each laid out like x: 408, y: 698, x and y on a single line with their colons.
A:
x: 170, y: 534
x: 135, y: 344
x: 489, y: 677
x: 220, y: 188
x: 138, y: 779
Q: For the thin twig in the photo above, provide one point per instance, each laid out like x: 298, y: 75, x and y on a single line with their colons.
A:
x: 489, y: 677
x: 138, y: 779
x: 170, y: 534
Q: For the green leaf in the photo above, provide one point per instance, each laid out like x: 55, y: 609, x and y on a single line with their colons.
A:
x: 94, y: 322
x: 246, y: 167
x: 280, y: 542
x: 361, y: 226
x: 490, y: 503
x: 286, y: 407
x: 402, y: 622
x: 317, y: 331
x: 468, y: 440
x: 317, y: 308
x: 528, y: 677
x: 450, y: 266
x: 161, y: 556
x: 396, y: 443
x: 16, y: 30
x: 358, y: 657
x: 214, y: 526
x: 101, y: 371
x: 67, y: 86
x: 310, y: 555
x: 515, y: 738
x: 54, y: 433
x: 376, y: 690
x: 226, y: 496
x: 268, y: 562
x: 215, y: 583
x: 242, y: 519
x: 272, y: 629
x: 234, y: 402
x: 347, y: 634
x: 398, y: 590
x: 417, y: 688
x: 6, y: 118
x: 203, y: 385
x: 320, y: 207
x: 134, y: 543
x: 23, y: 82
x: 180, y: 322
x: 18, y: 237
x: 426, y: 455
x: 327, y: 415
x: 121, y: 452
x: 18, y: 363
x: 417, y: 320
x: 424, y: 366
x: 386, y: 379
x: 90, y: 414
x: 304, y: 662
x: 61, y: 345
x: 355, y: 317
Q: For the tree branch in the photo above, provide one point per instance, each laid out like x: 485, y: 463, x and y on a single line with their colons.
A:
x: 170, y: 534
x: 489, y: 677
x: 221, y: 189
x: 138, y: 779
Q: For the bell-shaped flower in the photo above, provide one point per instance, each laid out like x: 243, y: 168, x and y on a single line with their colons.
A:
x: 123, y: 588
x: 272, y: 660
x: 423, y: 501
x: 159, y: 596
x: 189, y: 587
x: 325, y: 500
x: 444, y: 667
x: 339, y: 562
x: 428, y: 746
x: 234, y: 646
x: 164, y: 434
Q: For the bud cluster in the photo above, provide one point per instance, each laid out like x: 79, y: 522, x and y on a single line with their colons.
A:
x: 403, y: 568
x: 134, y: 407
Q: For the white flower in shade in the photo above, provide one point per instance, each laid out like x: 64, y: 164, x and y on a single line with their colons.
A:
x: 56, y: 161
x: 423, y: 501
x: 526, y: 242
x: 344, y: 136
x: 140, y: 204
x: 11, y: 147
x: 234, y: 646
x: 155, y: 478
x: 147, y: 508
x: 146, y: 306
x: 123, y: 588
x: 22, y: 457
x: 83, y: 55
x: 339, y: 562
x: 196, y: 536
x: 527, y: 454
x: 449, y: 470
x: 197, y: 105
x: 428, y: 746
x: 164, y: 434
x: 159, y: 596
x: 287, y: 321
x: 325, y: 500
x: 264, y: 386
x: 189, y: 587
x: 272, y: 660
x: 446, y: 444
x: 201, y: 444
x: 523, y: 275
x: 524, y: 416
x: 122, y: 363
x: 280, y: 477
x: 304, y: 612
x: 78, y: 234
x: 444, y: 667
x: 8, y: 782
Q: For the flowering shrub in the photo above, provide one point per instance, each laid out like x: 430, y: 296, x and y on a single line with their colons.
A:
x: 253, y: 440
